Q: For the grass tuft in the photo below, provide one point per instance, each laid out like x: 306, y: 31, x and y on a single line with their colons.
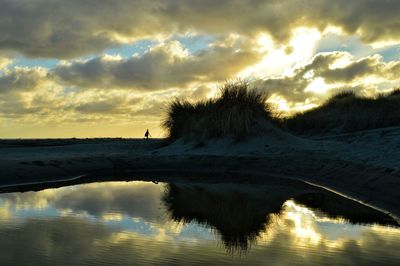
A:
x: 237, y: 111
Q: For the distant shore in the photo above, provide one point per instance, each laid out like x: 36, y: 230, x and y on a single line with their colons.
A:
x: 363, y: 165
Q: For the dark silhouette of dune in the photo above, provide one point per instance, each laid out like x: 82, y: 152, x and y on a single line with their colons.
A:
x: 347, y: 112
x: 240, y: 112
x: 236, y: 112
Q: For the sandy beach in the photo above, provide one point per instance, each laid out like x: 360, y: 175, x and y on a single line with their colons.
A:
x: 362, y: 165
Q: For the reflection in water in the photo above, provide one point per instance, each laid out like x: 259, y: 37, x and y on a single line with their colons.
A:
x: 130, y: 223
x: 241, y: 213
x: 237, y: 219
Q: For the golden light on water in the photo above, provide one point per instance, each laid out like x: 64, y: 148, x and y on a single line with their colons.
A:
x: 134, y: 216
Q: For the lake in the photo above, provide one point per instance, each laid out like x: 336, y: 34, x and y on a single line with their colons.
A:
x: 192, y: 223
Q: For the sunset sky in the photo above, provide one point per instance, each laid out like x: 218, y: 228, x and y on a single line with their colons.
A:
x: 108, y: 68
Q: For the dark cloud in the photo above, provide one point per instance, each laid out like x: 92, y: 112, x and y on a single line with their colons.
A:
x: 104, y: 106
x: 289, y: 87
x: 13, y: 105
x: 107, y: 105
x: 361, y: 68
x: 153, y: 109
x: 66, y: 29
x: 163, y: 66
x: 367, y: 66
x: 22, y: 79
x: 59, y: 29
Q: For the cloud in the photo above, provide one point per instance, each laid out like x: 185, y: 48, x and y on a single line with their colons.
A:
x: 199, y: 93
x: 107, y: 106
x: 59, y: 29
x: 44, y: 28
x: 163, y: 66
x: 14, y: 106
x: 353, y: 70
x: 361, y: 68
x: 35, y: 97
x: 155, y: 109
x: 372, y: 20
x: 25, y: 91
x: 168, y: 71
x: 330, y: 72
x: 141, y: 86
x: 22, y: 79
x: 4, y: 63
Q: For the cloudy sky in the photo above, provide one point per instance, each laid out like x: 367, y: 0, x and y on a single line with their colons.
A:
x: 89, y: 68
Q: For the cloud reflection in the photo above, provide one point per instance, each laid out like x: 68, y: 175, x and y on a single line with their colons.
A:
x: 126, y: 223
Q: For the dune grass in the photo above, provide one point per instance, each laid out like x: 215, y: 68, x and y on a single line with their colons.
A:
x: 347, y: 112
x: 238, y: 111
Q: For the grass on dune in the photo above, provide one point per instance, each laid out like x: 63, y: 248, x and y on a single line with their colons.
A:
x: 238, y: 111
x: 347, y: 112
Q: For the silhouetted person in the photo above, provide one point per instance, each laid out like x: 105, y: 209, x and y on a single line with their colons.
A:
x: 147, y: 134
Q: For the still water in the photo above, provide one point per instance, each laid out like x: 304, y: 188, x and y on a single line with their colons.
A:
x: 142, y: 223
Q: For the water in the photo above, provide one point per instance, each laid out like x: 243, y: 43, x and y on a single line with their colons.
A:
x: 141, y: 223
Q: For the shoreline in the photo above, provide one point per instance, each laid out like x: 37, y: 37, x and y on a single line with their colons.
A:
x: 193, y: 175
x: 363, y: 166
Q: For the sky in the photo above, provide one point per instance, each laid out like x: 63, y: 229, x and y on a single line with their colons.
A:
x: 109, y: 68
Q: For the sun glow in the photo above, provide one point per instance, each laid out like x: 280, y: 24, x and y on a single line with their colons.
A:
x: 279, y: 102
x: 318, y: 85
x: 304, y: 39
x: 281, y: 60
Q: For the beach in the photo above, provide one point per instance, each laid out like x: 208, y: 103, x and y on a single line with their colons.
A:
x: 363, y: 166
